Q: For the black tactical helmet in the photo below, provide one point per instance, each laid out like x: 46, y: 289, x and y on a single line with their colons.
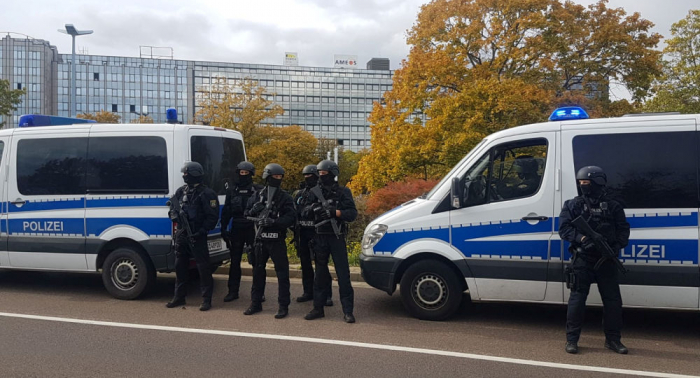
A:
x: 246, y: 166
x: 192, y: 168
x: 593, y: 173
x: 525, y: 164
x: 271, y: 170
x: 310, y: 170
x: 330, y: 166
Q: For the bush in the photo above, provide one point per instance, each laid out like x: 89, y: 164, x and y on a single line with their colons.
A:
x: 396, y: 193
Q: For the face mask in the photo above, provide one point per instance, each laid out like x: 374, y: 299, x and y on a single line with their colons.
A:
x: 245, y: 180
x: 311, y: 181
x: 585, y: 190
x: 328, y: 180
x: 273, y: 182
x: 190, y: 180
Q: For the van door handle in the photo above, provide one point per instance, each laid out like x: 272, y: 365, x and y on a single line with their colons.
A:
x: 537, y: 218
x: 18, y: 202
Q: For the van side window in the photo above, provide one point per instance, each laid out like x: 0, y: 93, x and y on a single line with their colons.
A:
x: 645, y: 170
x: 508, y: 171
x: 219, y: 156
x: 132, y: 164
x: 51, y: 166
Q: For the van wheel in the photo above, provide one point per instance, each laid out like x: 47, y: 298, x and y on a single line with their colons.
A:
x: 126, y: 275
x: 430, y: 290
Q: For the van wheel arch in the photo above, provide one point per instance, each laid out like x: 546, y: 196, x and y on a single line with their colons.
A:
x: 428, y: 256
x: 135, y: 259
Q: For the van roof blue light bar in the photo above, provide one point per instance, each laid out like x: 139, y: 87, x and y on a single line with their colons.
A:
x: 568, y: 113
x: 34, y: 120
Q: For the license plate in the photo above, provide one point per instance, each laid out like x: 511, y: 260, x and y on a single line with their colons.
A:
x: 215, y: 245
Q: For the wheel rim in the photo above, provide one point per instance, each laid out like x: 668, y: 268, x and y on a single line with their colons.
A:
x: 125, y: 274
x: 429, y: 291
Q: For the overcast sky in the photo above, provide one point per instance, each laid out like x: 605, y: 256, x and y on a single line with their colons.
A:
x: 253, y: 31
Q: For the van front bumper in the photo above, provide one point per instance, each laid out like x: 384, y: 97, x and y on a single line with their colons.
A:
x: 379, y: 272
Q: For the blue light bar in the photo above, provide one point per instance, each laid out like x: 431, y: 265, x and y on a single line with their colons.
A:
x: 171, y: 115
x: 34, y: 120
x: 567, y: 113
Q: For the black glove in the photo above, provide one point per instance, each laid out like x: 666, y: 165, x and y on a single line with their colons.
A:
x: 256, y: 209
x: 266, y: 222
x: 325, y: 214
x: 172, y: 214
x: 587, y: 244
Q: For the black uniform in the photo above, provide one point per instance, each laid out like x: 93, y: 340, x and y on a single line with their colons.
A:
x: 271, y: 244
x: 607, y: 217
x: 241, y: 231
x: 326, y: 244
x: 201, y: 205
x: 305, y: 231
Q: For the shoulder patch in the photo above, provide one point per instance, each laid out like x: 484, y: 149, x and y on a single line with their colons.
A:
x: 213, y: 204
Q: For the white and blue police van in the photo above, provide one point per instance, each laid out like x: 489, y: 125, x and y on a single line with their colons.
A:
x: 77, y: 196
x: 476, y: 231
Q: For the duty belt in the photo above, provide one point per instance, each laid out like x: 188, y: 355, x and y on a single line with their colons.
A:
x: 307, y: 223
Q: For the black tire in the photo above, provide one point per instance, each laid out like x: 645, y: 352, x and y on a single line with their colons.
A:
x: 430, y: 290
x: 126, y: 274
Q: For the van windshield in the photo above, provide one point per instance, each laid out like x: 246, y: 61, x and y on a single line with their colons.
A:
x: 219, y: 156
x: 456, y: 168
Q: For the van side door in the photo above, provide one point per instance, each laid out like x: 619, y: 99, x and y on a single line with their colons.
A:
x: 652, y: 168
x: 507, y: 217
x: 46, y: 199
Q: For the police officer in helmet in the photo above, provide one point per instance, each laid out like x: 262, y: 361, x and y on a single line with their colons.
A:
x: 526, y: 168
x: 304, y: 232
x: 236, y: 229
x: 607, y: 217
x: 331, y: 220
x: 201, y: 206
x: 273, y: 211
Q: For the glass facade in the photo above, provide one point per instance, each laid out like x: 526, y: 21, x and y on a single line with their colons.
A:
x: 331, y: 103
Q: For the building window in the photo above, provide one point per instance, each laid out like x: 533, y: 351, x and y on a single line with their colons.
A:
x: 132, y: 108
x: 114, y: 108
x: 96, y: 76
x: 19, y: 85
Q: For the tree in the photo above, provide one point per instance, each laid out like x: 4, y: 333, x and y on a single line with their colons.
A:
x: 101, y: 117
x: 9, y: 99
x: 480, y: 66
x: 396, y: 193
x: 678, y: 90
x: 143, y: 119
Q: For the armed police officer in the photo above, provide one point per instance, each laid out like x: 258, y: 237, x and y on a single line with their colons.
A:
x: 590, y: 262
x: 241, y: 232
x: 304, y: 232
x: 199, y: 214
x: 273, y: 212
x: 333, y: 208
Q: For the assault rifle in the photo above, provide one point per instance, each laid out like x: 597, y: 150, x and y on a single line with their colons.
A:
x: 600, y: 243
x: 316, y: 190
x: 264, y: 214
x: 178, y: 215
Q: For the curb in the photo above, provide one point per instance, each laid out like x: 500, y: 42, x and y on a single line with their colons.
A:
x: 294, y: 272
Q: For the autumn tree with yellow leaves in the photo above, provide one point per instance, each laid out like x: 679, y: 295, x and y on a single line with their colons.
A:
x: 243, y: 106
x: 479, y: 66
x: 101, y: 117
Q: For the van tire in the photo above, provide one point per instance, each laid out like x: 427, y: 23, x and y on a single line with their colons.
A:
x: 430, y: 290
x: 126, y: 274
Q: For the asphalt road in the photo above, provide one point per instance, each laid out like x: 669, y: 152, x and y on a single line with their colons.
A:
x: 143, y: 338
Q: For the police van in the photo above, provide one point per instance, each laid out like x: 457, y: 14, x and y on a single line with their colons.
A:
x: 485, y: 229
x: 91, y: 197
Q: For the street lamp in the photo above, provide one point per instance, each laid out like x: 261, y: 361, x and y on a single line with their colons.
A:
x: 70, y: 29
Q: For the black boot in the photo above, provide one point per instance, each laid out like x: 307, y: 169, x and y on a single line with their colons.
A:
x: 616, y: 346
x: 316, y: 313
x: 571, y: 347
x: 231, y: 296
x: 305, y: 297
x: 349, y: 318
x: 175, y: 302
x: 329, y: 302
x: 206, y: 305
x: 282, y: 312
x: 254, y: 308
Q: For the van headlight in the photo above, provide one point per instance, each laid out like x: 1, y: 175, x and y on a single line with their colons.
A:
x: 373, y: 235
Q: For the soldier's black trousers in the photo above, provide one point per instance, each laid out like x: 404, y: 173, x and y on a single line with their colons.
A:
x: 182, y: 267
x: 325, y: 246
x: 240, y: 236
x: 609, y: 287
x: 277, y: 251
x: 307, y: 269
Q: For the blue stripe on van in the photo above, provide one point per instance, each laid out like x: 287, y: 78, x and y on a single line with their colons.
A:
x: 47, y: 226
x: 516, y: 249
x: 391, y: 241
x: 127, y: 202
x: 150, y: 226
x: 75, y: 204
x: 71, y: 204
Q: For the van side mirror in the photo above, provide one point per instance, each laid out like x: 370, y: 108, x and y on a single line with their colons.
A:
x: 456, y: 192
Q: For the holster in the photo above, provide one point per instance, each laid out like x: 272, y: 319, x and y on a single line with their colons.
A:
x: 248, y: 250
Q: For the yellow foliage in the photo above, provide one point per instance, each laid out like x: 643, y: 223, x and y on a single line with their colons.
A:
x: 143, y: 119
x: 101, y: 117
